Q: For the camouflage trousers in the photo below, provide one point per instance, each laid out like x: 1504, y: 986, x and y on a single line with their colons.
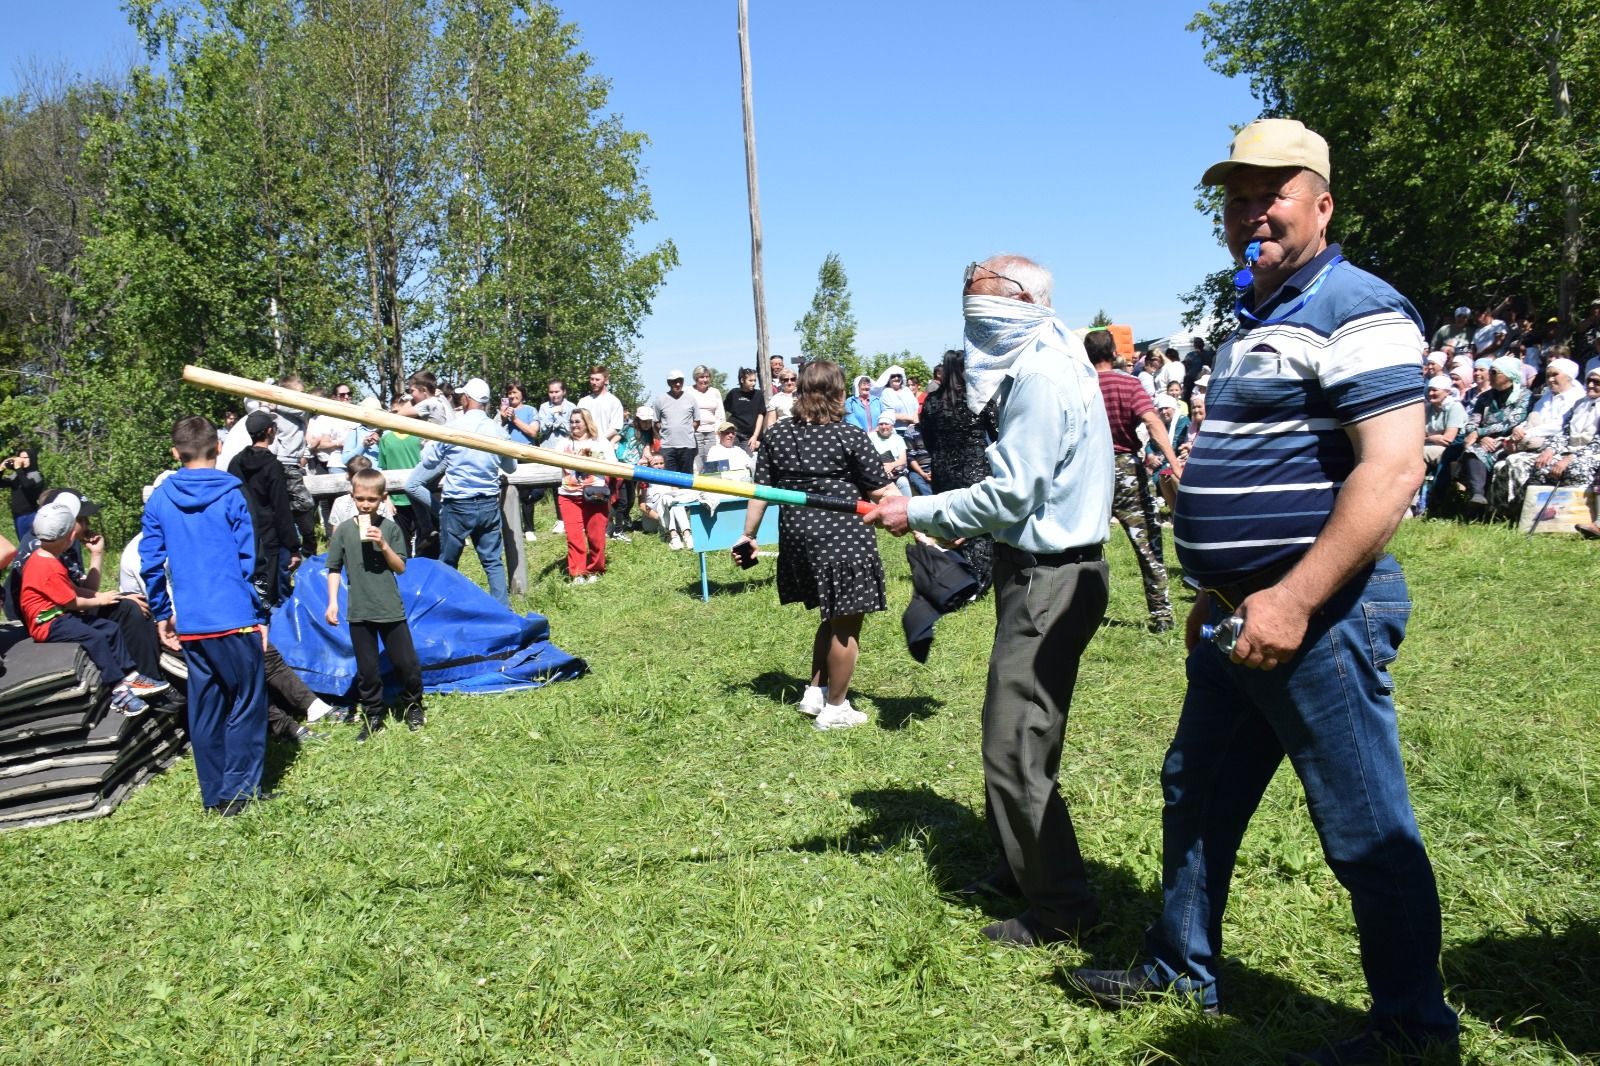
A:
x: 1134, y: 507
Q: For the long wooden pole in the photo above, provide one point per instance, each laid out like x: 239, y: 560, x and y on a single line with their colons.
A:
x: 763, y: 362
x: 304, y: 401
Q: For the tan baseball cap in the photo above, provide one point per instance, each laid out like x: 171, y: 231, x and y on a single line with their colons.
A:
x: 1273, y: 142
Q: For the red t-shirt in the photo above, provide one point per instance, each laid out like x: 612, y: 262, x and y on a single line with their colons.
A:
x: 47, y: 589
x: 1126, y: 403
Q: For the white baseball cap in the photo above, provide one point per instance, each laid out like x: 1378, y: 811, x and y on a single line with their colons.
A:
x: 476, y: 390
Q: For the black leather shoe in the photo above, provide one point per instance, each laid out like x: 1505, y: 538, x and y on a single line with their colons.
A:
x: 998, y: 882
x: 1380, y: 1046
x: 371, y: 722
x: 232, y: 808
x: 1115, y: 989
x: 415, y: 719
x: 1027, y: 931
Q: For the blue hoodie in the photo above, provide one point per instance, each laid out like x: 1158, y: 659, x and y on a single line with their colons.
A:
x: 199, y: 549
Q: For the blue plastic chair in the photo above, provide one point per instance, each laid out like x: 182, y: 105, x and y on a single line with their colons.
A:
x: 719, y: 528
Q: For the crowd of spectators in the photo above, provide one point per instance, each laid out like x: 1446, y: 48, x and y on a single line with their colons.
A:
x: 1509, y: 406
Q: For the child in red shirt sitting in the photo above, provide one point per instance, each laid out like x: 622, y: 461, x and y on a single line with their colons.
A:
x: 50, y: 603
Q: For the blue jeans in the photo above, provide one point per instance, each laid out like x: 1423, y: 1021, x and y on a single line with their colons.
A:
x: 1331, y: 710
x: 477, y: 517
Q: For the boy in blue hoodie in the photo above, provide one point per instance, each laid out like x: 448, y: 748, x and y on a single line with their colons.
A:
x: 197, y: 554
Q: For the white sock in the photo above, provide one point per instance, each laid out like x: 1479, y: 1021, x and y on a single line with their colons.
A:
x: 317, y: 710
x: 133, y: 675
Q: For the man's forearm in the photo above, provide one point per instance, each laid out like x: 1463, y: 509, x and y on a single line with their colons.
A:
x: 1364, y: 518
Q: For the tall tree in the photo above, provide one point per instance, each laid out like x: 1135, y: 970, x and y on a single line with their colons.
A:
x: 1100, y: 319
x: 1464, y: 144
x: 540, y: 194
x: 828, y: 330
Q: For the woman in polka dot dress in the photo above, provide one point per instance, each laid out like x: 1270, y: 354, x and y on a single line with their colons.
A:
x: 827, y: 560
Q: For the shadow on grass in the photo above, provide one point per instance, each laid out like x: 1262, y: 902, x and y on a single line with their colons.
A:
x: 774, y: 685
x: 957, y: 848
x: 1537, y: 983
x: 895, y: 711
x: 717, y: 587
x: 281, y: 755
x: 1266, y: 1015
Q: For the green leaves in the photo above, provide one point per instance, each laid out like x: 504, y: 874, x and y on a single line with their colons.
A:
x: 1453, y: 160
x: 346, y: 189
x: 828, y: 330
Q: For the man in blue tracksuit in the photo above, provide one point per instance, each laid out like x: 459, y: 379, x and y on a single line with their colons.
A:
x: 196, y: 556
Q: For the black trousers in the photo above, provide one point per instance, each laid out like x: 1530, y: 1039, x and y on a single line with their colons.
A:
x: 408, y: 527
x: 396, y: 637
x: 287, y: 696
x: 679, y: 459
x: 138, y: 636
x: 101, y: 641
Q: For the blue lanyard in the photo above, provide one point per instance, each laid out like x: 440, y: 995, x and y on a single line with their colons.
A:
x: 1305, y: 298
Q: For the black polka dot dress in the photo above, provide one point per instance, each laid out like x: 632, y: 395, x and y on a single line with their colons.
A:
x: 826, y: 559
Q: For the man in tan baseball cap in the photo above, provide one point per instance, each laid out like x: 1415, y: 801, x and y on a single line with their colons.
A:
x: 1307, y: 462
x: 1273, y: 142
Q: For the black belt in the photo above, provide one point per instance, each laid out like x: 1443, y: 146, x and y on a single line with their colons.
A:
x: 1022, y: 559
x: 1233, y: 593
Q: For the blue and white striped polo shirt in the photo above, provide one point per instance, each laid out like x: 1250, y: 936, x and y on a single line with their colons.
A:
x: 1272, y: 452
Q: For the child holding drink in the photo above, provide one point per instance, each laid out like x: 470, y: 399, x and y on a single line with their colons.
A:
x: 375, y: 550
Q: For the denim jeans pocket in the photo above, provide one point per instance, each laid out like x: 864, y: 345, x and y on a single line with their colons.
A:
x: 1386, y: 628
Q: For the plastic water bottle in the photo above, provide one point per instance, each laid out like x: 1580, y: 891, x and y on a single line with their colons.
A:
x: 1225, y: 634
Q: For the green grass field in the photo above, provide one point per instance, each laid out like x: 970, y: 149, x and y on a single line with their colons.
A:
x: 661, y: 862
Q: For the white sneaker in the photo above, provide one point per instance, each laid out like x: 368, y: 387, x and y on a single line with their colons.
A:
x: 812, y: 700
x: 580, y: 580
x: 839, y: 716
x: 530, y: 536
x: 688, y: 541
x: 558, y: 527
x: 675, y: 543
x: 593, y: 578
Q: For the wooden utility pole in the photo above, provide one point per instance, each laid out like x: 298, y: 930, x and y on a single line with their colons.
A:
x: 763, y: 362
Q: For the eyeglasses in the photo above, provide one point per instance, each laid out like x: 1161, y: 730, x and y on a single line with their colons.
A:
x: 787, y: 377
x: 1593, y: 383
x: 973, y: 268
x: 341, y: 395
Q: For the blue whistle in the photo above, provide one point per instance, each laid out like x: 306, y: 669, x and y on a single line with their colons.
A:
x: 1244, y: 277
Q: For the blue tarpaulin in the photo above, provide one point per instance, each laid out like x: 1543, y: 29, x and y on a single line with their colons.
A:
x: 465, y: 640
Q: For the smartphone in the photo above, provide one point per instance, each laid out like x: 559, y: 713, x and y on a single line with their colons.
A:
x: 744, y: 553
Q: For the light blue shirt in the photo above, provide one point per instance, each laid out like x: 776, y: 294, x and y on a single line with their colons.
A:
x: 468, y: 472
x: 1051, y: 473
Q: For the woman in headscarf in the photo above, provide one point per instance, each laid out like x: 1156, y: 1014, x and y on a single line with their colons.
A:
x: 1528, y: 448
x: 1495, y: 413
x: 897, y: 398
x: 863, y: 407
x: 1573, y: 454
x: 956, y: 437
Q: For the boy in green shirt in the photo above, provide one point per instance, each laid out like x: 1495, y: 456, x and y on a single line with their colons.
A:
x: 375, y: 548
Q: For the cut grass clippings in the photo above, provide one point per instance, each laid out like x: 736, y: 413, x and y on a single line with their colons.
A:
x: 662, y: 862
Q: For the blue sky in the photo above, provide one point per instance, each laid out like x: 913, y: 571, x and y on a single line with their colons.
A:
x: 909, y: 138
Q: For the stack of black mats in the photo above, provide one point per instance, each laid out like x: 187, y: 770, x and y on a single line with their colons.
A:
x: 64, y: 753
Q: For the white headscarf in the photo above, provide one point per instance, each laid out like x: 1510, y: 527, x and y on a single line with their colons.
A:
x: 998, y: 331
x: 902, y: 400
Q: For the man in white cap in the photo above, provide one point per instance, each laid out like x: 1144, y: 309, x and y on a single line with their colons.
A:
x: 1305, y: 465
x: 675, y: 423
x: 470, y: 492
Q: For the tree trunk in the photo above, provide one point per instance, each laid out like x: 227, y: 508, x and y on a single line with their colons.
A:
x: 1571, y: 224
x: 758, y: 289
